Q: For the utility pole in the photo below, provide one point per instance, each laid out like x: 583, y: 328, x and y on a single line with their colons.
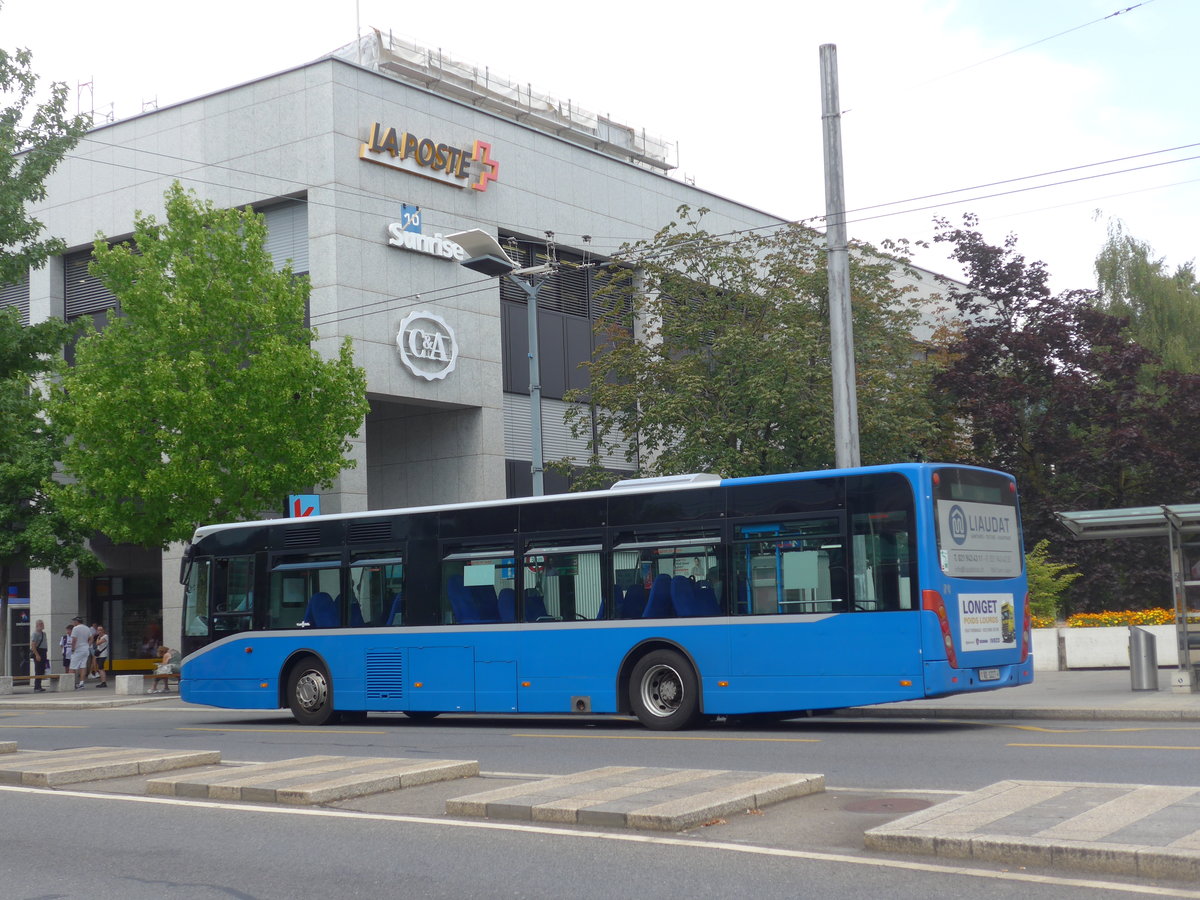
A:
x: 531, y: 284
x: 841, y: 324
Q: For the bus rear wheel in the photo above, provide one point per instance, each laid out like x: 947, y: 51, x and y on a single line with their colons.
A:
x: 664, y: 691
x: 310, y: 693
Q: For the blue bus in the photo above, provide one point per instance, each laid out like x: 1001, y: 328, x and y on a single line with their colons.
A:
x: 671, y: 599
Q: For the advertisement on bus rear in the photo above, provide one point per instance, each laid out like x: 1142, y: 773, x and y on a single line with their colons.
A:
x: 978, y: 540
x: 986, y: 622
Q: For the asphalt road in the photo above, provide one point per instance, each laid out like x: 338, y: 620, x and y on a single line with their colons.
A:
x: 894, y: 754
x: 83, y: 843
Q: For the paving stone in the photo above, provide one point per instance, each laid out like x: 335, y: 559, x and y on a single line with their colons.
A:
x: 312, y: 779
x: 645, y: 798
x: 57, y: 767
x: 1126, y: 829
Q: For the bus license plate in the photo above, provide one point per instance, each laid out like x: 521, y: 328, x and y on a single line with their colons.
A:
x: 989, y: 674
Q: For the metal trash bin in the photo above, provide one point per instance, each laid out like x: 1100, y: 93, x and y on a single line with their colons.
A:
x: 1143, y: 660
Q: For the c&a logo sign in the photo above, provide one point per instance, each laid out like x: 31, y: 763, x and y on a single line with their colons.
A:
x: 456, y: 166
x: 427, y: 345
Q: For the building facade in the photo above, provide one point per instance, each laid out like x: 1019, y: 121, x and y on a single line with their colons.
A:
x: 362, y: 163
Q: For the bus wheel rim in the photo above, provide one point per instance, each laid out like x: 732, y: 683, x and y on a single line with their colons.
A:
x: 312, y: 691
x: 662, y: 691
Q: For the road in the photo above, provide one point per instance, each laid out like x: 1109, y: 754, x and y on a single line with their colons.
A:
x: 81, y: 842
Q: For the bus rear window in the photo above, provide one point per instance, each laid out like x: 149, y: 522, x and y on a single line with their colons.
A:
x: 978, y: 527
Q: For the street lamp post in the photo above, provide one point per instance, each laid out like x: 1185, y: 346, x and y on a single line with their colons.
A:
x: 486, y: 256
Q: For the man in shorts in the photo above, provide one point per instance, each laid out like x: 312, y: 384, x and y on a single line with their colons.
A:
x: 80, y: 652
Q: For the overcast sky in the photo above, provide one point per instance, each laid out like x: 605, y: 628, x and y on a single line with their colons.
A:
x: 938, y: 95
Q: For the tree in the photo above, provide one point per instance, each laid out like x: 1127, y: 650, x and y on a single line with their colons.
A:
x: 1050, y: 388
x: 1163, y: 307
x: 721, y: 361
x: 204, y: 400
x: 32, y: 143
x: 33, y: 139
x: 33, y: 530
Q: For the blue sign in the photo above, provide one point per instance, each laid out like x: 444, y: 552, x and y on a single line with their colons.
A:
x: 301, y: 505
x: 410, y: 218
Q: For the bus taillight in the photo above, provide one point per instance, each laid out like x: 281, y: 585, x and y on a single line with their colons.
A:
x: 1027, y: 629
x: 932, y: 601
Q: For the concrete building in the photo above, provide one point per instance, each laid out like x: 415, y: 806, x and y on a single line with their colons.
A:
x: 361, y: 163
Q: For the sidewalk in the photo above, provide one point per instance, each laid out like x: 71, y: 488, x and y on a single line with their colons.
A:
x: 1104, y: 694
x: 1078, y: 694
x: 24, y: 697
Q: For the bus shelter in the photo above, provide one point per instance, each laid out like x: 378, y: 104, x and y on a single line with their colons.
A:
x: 1180, y: 525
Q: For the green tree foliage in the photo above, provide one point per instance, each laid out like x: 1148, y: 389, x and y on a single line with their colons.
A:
x: 1051, y: 389
x: 33, y: 530
x: 721, y: 361
x: 1048, y: 580
x: 1163, y: 307
x: 33, y: 139
x: 204, y: 400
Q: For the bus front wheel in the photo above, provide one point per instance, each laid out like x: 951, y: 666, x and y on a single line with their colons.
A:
x: 664, y: 691
x: 310, y: 693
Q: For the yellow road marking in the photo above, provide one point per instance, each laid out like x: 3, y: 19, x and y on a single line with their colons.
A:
x: 669, y: 737
x: 1106, y: 746
x: 1040, y: 729
x: 285, y: 729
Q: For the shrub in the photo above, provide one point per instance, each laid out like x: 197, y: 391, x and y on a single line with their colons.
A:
x: 1047, y: 582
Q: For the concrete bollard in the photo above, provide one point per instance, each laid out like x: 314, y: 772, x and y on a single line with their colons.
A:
x: 130, y: 684
x: 5, y: 684
x: 65, y: 682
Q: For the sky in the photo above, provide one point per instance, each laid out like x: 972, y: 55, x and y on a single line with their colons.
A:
x: 1047, y: 120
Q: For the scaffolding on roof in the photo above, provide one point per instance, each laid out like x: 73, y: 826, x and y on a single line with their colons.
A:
x: 438, y: 72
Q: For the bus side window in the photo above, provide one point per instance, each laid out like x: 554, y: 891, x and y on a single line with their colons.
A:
x: 559, y: 584
x: 376, y: 591
x: 233, y: 596
x: 790, y: 567
x: 303, y: 592
x: 471, y: 584
x: 883, y: 566
x: 666, y: 578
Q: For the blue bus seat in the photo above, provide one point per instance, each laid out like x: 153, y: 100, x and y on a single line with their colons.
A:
x: 658, y: 606
x: 535, y: 607
x: 460, y: 601
x: 706, y: 599
x: 395, y: 615
x: 322, y: 612
x: 683, y: 596
x: 506, y: 603
x: 484, y: 596
x: 356, y: 616
x: 633, y: 604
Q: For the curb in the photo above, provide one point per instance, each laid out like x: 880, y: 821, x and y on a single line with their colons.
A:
x: 1068, y: 713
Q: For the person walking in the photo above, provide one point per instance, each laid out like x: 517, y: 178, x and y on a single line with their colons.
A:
x: 39, y: 652
x: 101, y: 646
x: 80, y: 652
